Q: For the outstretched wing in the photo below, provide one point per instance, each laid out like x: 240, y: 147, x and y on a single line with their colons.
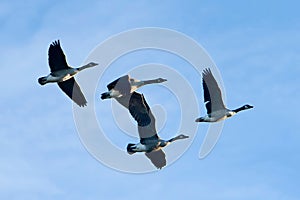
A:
x: 56, y: 57
x: 141, y: 112
x: 121, y: 84
x: 212, y: 92
x: 72, y: 89
x: 139, y: 109
x: 158, y: 158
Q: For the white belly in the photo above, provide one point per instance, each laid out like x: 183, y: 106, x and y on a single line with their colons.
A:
x: 51, y: 78
x: 219, y: 116
x: 115, y: 93
x: 61, y: 75
x: 140, y: 147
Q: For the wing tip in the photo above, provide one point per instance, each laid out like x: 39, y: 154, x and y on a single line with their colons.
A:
x: 157, y: 158
x: 55, y: 43
x: 81, y: 104
x: 206, y: 71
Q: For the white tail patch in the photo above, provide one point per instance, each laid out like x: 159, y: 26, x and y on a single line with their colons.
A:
x: 140, y: 147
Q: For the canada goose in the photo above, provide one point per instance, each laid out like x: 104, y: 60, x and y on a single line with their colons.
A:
x: 63, y: 74
x: 150, y: 143
x: 126, y: 85
x: 216, y: 110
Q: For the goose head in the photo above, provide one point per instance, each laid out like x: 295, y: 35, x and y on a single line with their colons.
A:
x: 160, y: 80
x: 91, y: 64
x: 247, y: 106
x: 179, y: 137
x: 244, y: 107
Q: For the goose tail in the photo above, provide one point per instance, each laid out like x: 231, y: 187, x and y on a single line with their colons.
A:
x: 130, y: 148
x: 42, y: 80
x: 105, y: 95
x: 200, y: 119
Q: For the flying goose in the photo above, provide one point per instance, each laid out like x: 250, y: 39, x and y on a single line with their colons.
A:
x: 63, y: 74
x: 216, y: 110
x: 150, y: 143
x: 126, y: 85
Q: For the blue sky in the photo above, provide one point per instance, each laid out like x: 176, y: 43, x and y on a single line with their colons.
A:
x: 256, y: 48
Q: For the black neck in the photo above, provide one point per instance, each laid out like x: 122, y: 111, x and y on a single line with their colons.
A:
x: 239, y: 109
x: 149, y: 81
x: 83, y: 67
x: 173, y: 139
